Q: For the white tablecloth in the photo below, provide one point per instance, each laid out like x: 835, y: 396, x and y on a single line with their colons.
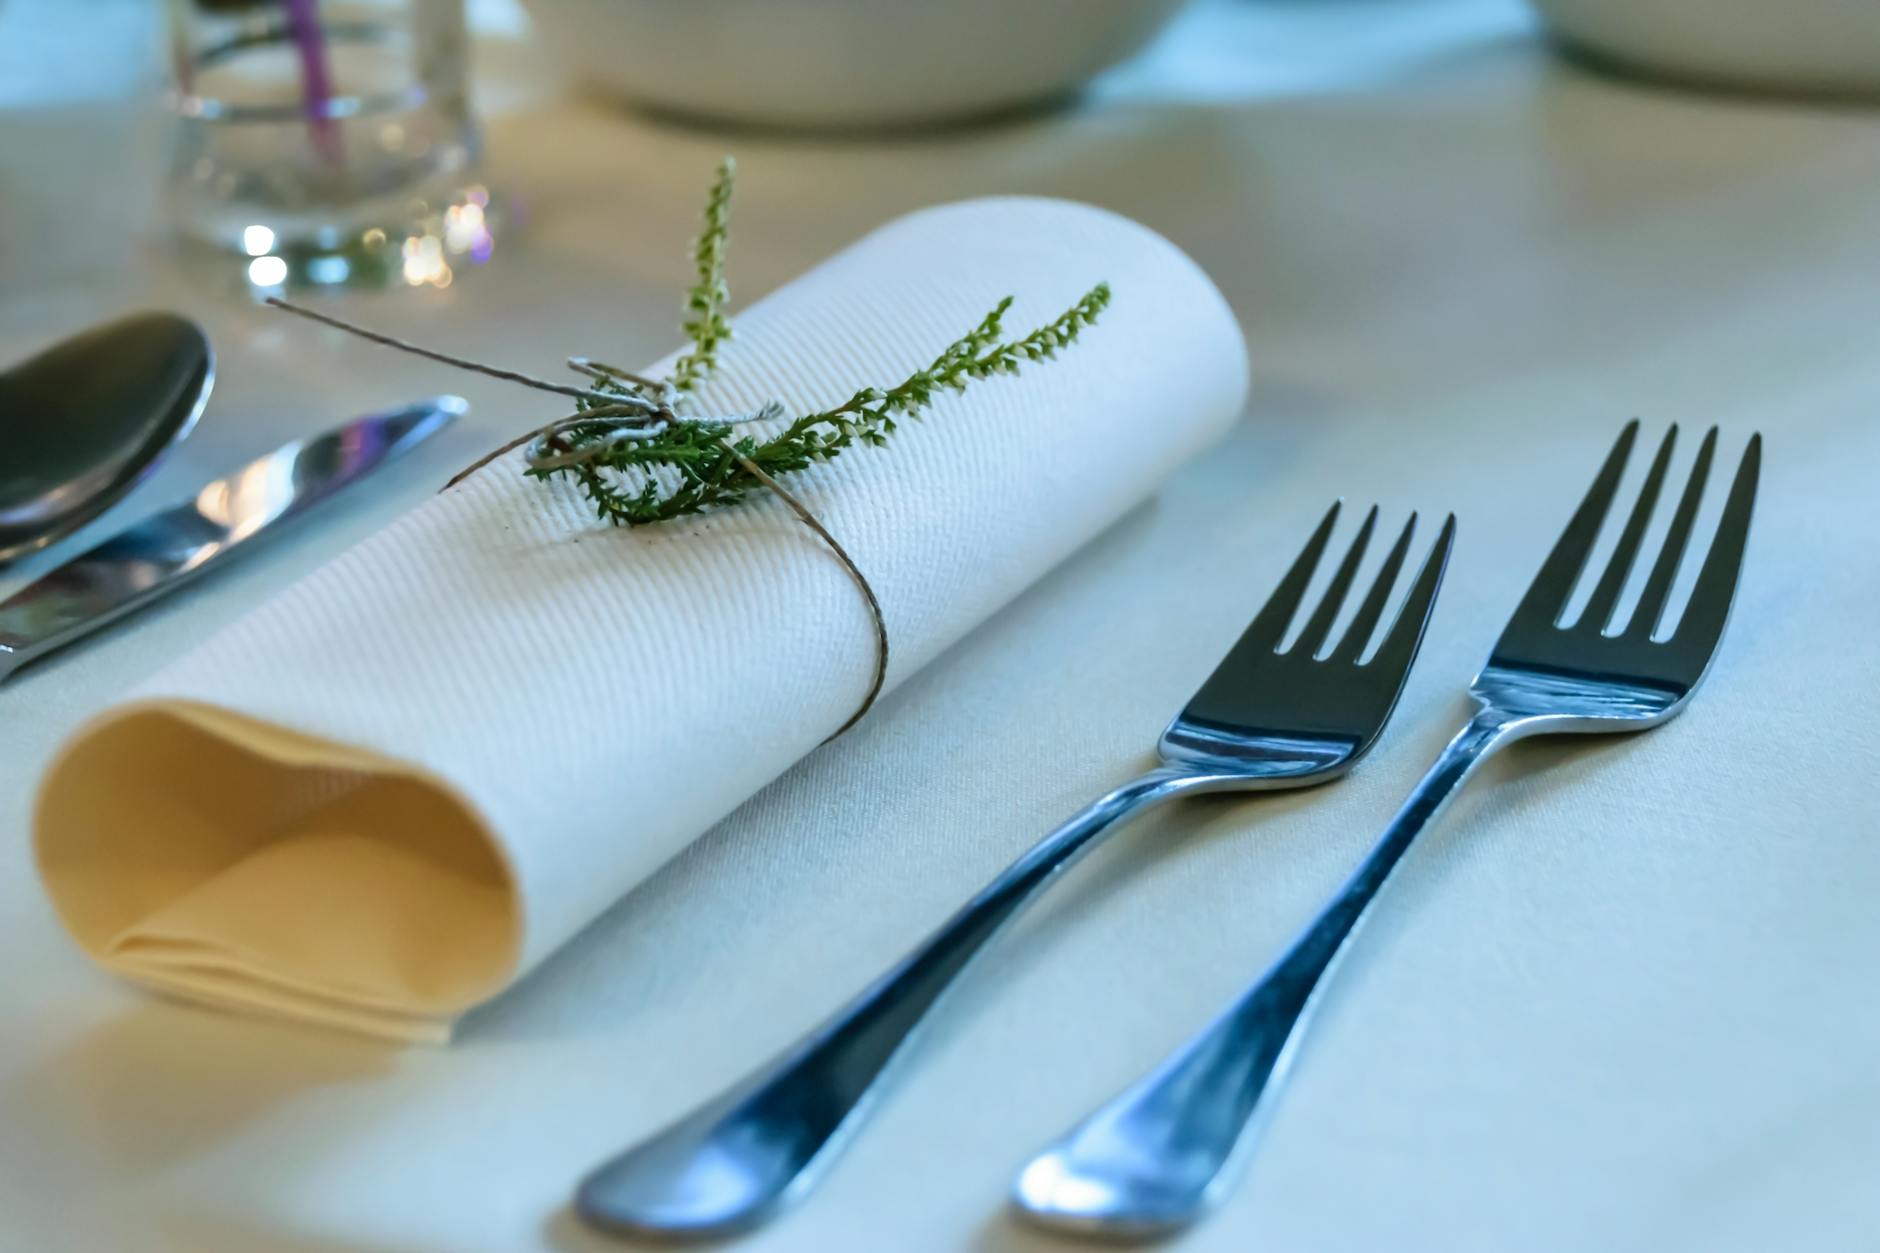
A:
x: 1621, y: 999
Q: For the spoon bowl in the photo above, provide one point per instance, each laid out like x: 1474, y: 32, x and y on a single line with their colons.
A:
x: 85, y: 420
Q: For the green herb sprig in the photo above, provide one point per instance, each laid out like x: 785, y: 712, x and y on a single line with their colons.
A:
x: 705, y: 324
x: 675, y: 465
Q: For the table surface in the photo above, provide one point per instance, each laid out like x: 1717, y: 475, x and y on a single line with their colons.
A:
x: 1622, y: 998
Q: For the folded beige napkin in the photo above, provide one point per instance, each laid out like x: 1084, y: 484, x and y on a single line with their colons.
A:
x: 384, y: 796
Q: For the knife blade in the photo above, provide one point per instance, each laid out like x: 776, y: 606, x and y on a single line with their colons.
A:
x: 167, y: 550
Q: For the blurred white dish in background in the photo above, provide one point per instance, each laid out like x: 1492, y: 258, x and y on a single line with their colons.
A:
x: 843, y: 63
x: 1814, y: 46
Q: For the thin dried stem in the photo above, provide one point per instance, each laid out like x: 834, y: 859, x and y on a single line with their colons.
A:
x: 601, y: 370
x: 496, y: 372
x: 486, y: 458
x: 814, y: 523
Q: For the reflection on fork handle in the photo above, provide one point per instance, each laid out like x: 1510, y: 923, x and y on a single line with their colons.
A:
x: 1153, y: 1159
x: 729, y: 1164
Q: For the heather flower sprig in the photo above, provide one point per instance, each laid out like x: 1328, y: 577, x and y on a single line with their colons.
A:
x: 635, y: 470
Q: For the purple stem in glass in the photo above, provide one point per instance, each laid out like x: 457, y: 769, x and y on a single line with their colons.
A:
x: 303, y: 20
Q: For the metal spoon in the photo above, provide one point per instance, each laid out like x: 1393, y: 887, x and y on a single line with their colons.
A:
x: 85, y: 420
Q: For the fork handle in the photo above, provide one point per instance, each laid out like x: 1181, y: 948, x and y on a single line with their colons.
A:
x: 1154, y: 1158
x: 728, y: 1165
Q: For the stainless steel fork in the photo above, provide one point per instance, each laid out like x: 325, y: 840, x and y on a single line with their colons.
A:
x: 1155, y: 1157
x: 1264, y: 719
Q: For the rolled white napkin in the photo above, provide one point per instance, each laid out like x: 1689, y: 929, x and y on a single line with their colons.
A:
x: 384, y: 796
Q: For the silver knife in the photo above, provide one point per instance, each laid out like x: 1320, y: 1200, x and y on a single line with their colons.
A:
x: 163, y: 552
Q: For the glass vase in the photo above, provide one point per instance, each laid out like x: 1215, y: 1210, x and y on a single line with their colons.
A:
x: 327, y: 142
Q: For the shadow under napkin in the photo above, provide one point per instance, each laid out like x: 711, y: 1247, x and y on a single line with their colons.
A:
x: 162, y: 1083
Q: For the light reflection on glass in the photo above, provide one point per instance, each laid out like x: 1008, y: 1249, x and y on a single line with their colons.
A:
x: 424, y: 262
x: 267, y: 271
x: 463, y: 226
x: 427, y: 252
x: 328, y: 270
x: 467, y: 226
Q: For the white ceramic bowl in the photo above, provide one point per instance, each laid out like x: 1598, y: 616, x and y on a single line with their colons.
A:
x: 843, y: 64
x: 1808, y: 46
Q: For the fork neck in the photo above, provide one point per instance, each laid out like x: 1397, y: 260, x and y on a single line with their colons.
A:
x: 1088, y: 827
x: 1146, y: 790
x: 1489, y: 730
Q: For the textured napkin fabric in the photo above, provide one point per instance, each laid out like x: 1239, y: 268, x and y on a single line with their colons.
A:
x: 383, y: 797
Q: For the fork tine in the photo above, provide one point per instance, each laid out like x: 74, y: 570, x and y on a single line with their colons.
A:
x: 1709, y: 605
x: 1358, y: 634
x: 1605, y: 596
x: 1651, y: 602
x: 1547, y: 595
x: 1266, y: 630
x: 1313, y: 637
x: 1399, y: 646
